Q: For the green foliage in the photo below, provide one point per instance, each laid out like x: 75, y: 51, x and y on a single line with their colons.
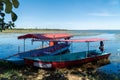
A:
x: 15, y: 3
x: 9, y: 5
x: 2, y: 14
x: 1, y: 5
x: 14, y: 16
x: 6, y: 7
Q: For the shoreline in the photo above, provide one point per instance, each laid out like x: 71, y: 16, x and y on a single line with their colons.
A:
x: 32, y: 30
x: 72, y: 32
x: 79, y: 72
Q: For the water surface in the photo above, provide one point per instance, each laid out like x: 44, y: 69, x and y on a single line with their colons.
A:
x: 9, y: 43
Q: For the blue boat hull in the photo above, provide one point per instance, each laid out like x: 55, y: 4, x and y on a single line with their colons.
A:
x: 19, y: 59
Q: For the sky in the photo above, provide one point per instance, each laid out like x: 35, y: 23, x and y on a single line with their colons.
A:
x: 68, y: 14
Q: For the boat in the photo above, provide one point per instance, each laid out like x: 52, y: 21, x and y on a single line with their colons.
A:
x: 53, y: 48
x: 70, y: 59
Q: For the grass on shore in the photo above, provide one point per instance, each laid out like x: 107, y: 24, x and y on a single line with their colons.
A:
x: 87, y: 71
x: 32, y: 30
x: 72, y: 32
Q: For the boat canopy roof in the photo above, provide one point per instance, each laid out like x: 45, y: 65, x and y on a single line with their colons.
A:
x: 45, y: 36
x: 84, y: 40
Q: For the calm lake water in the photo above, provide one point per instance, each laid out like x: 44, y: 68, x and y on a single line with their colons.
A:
x: 9, y: 43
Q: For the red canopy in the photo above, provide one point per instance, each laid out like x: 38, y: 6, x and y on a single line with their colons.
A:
x: 84, y: 40
x: 45, y: 36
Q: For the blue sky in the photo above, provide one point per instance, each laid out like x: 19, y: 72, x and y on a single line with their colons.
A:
x: 69, y: 14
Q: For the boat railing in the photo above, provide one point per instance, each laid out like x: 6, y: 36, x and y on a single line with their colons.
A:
x: 94, y: 53
x: 77, y: 56
x: 39, y: 52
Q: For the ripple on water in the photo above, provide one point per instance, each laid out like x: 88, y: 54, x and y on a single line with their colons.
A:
x: 113, y: 68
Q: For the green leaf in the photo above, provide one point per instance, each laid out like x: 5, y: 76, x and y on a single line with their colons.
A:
x: 1, y: 20
x: 1, y: 6
x: 14, y: 16
x: 15, y: 3
x: 8, y: 6
x: 1, y: 0
x: 2, y: 14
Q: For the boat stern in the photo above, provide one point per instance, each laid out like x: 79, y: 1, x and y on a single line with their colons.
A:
x: 15, y: 60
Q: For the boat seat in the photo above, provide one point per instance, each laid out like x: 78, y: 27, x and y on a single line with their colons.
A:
x: 47, y: 52
x: 34, y: 55
x: 92, y: 54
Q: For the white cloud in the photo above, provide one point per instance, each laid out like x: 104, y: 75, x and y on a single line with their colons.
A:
x: 114, y: 2
x: 102, y: 14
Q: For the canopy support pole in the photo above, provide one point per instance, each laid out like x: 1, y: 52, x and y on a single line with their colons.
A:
x: 18, y: 49
x: 42, y: 44
x: 24, y: 45
x: 87, y: 49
